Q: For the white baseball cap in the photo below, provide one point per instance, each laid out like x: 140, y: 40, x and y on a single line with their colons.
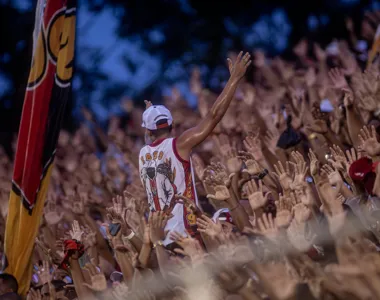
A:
x: 154, y: 114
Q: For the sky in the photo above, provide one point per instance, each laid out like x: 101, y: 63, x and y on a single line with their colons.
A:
x: 98, y: 31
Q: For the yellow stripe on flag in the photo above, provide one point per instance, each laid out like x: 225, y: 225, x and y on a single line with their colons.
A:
x: 22, y: 230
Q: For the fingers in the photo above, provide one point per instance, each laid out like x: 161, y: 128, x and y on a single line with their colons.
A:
x: 91, y: 269
x: 229, y: 64
x: 212, y: 197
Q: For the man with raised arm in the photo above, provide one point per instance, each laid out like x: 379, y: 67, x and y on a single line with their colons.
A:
x: 164, y: 163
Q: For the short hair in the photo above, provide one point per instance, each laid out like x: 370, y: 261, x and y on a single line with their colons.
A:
x: 10, y: 281
x: 161, y: 131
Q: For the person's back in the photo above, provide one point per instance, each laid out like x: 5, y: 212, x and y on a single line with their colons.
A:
x: 164, y: 174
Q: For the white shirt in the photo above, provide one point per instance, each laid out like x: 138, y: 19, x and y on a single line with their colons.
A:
x: 164, y: 174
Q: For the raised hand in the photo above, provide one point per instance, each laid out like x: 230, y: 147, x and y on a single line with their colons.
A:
x: 249, y: 95
x: 199, y: 166
x: 120, y: 291
x: 301, y: 213
x: 314, y: 163
x: 188, y: 203
x: 209, y: 227
x: 76, y: 232
x: 117, y: 214
x: 352, y: 156
x: 221, y: 193
x: 147, y: 104
x: 34, y: 295
x: 78, y: 205
x: 229, y: 153
x: 368, y: 139
x: 89, y: 239
x: 300, y: 171
x: 217, y: 174
x: 305, y: 196
x: 271, y: 139
x: 239, y: 67
x: 157, y: 222
x: 190, y: 246
x: 333, y: 175
x: 267, y: 227
x: 283, y: 175
x: 51, y: 214
x: 339, y: 160
x: 348, y: 99
x: 43, y: 273
x: 368, y: 103
x: 252, y: 166
x: 98, y: 280
x: 283, y: 215
x: 337, y: 77
x: 253, y: 145
x: 255, y: 194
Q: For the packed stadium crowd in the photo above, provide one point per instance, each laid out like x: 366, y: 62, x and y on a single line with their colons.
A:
x: 280, y: 200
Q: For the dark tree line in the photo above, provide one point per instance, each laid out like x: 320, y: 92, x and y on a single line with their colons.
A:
x: 195, y: 27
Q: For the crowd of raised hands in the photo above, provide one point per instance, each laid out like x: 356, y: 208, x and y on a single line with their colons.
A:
x: 289, y: 193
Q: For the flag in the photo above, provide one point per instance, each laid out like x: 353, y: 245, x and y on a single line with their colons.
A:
x: 375, y: 48
x: 47, y: 92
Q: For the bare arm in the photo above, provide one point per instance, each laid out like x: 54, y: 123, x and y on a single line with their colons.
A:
x: 76, y: 273
x: 196, y: 135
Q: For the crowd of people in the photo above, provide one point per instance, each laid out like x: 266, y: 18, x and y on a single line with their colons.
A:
x: 287, y: 185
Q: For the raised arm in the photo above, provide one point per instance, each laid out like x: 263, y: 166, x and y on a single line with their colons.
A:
x: 196, y: 135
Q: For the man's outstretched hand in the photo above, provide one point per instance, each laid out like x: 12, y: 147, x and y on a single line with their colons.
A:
x: 239, y: 67
x: 147, y: 104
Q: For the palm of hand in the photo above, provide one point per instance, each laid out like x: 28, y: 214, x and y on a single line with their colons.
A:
x: 256, y: 200
x: 340, y: 82
x: 45, y: 276
x: 285, y: 181
x: 252, y: 167
x: 339, y: 163
x: 233, y: 165
x: 222, y: 193
x: 298, y: 182
x: 335, y: 178
x: 98, y: 283
x: 314, y: 167
x: 301, y: 213
x: 283, y: 218
x: 371, y: 146
x: 306, y: 197
x: 53, y: 217
x: 271, y: 233
x: 214, y: 229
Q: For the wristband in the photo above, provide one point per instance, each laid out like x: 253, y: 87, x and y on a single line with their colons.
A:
x: 159, y: 243
x: 130, y: 236
x: 262, y: 174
